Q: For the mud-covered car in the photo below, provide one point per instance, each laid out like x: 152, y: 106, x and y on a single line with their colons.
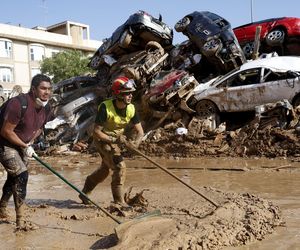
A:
x: 133, y: 35
x: 72, y: 88
x: 139, y: 65
x: 75, y: 103
x: 186, y: 56
x: 275, y: 32
x: 213, y: 35
x: 255, y: 83
x: 166, y: 96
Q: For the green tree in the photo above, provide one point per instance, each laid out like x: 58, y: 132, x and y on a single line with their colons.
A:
x: 66, y: 64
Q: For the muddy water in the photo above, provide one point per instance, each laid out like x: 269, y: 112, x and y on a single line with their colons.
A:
x: 256, y: 176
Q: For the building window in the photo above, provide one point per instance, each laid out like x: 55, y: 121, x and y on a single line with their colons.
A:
x: 37, y: 52
x: 6, y: 74
x: 35, y: 71
x: 5, y: 48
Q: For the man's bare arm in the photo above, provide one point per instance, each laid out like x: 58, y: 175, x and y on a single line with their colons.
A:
x: 7, y: 132
x: 100, y: 135
x: 140, y: 133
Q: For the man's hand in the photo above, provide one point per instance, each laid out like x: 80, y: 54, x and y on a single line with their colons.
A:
x: 121, y: 140
x: 29, y: 151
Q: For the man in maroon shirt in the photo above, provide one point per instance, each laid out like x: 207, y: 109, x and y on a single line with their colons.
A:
x: 18, y: 131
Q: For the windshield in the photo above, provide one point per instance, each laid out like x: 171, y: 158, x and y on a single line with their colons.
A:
x: 221, y: 78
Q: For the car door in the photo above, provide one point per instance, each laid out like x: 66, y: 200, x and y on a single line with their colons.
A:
x: 279, y: 86
x: 244, y: 91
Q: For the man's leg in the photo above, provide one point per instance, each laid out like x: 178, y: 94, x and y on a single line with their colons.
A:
x: 6, y: 194
x: 100, y: 174
x: 19, y: 193
x: 16, y: 166
x: 93, y: 180
x: 118, y: 179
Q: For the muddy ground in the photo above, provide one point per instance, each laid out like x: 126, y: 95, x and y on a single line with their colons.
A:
x: 244, y: 216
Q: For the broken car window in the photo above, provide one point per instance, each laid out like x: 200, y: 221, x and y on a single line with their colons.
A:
x: 246, y: 77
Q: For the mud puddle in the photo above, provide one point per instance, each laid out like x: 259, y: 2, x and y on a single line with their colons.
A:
x: 66, y: 224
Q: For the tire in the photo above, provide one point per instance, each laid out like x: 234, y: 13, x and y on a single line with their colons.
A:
x: 181, y: 25
x: 125, y: 39
x: 206, y: 109
x: 94, y: 63
x: 275, y: 37
x: 296, y: 101
x: 248, y: 49
x: 154, y: 45
x: 211, y: 47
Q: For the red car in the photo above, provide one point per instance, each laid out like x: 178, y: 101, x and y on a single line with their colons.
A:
x: 275, y: 32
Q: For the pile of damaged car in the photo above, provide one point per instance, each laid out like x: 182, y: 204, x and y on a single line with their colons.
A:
x: 210, y: 77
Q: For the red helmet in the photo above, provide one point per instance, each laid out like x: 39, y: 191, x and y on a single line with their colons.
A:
x: 122, y: 85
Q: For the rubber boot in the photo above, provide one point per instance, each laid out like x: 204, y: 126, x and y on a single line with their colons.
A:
x: 19, y: 194
x: 6, y: 194
x: 20, y: 216
x: 85, y: 190
x: 3, y: 206
x: 3, y: 211
x: 118, y: 195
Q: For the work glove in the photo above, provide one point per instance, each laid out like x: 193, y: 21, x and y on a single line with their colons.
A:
x: 29, y: 151
x: 121, y: 140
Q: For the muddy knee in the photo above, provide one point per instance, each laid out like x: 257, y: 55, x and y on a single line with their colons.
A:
x: 119, y: 174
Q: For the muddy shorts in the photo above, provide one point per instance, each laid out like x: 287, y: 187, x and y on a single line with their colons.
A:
x: 13, y: 160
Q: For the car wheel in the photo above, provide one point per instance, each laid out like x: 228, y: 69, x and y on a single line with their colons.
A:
x: 248, y: 49
x: 181, y: 25
x: 154, y: 45
x: 296, y: 101
x: 94, y: 63
x: 275, y: 37
x: 207, y: 109
x: 211, y: 47
x: 125, y: 39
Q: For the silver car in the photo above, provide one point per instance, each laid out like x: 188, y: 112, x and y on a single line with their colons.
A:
x: 257, y: 82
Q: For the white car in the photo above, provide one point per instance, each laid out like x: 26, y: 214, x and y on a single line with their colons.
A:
x: 257, y: 82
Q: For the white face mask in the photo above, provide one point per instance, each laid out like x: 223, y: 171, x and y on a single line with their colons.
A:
x: 40, y: 103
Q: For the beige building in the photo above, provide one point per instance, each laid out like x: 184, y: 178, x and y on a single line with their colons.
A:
x: 22, y: 49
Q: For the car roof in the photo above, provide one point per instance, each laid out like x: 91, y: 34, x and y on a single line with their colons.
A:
x: 277, y: 63
x: 261, y: 21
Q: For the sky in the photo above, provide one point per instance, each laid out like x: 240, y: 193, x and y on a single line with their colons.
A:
x: 104, y: 16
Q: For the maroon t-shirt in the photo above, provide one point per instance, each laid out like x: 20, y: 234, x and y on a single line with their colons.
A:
x: 32, y: 120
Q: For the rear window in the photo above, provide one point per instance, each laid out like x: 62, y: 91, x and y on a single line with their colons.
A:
x: 217, y: 19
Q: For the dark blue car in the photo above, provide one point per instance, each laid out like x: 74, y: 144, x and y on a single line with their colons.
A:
x: 134, y: 34
x: 213, y: 35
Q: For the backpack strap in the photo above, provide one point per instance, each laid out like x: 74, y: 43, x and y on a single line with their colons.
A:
x: 47, y: 109
x: 24, y: 104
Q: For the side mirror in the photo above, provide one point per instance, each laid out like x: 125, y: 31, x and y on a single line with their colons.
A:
x: 292, y: 74
x: 160, y: 18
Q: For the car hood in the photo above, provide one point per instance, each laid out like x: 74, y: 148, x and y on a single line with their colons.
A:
x: 204, y: 86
